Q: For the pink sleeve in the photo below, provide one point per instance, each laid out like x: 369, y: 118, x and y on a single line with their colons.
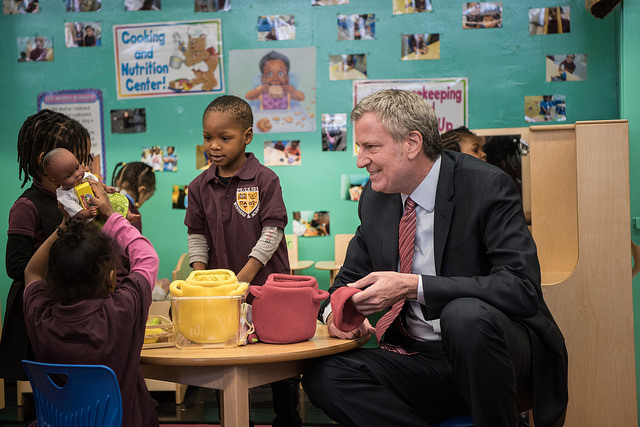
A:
x: 142, y: 256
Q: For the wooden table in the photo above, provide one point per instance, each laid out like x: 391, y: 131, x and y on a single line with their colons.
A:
x: 236, y: 370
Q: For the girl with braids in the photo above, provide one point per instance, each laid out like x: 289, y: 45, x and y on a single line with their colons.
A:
x: 137, y: 181
x: 32, y: 218
x: 76, y: 311
x: 464, y: 141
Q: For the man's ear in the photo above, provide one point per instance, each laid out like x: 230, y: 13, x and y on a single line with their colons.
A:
x: 414, y: 141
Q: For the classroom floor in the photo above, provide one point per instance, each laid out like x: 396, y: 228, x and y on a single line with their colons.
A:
x: 199, y: 407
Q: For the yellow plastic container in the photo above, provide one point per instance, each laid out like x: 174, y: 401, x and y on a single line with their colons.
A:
x: 207, y: 308
x: 83, y: 191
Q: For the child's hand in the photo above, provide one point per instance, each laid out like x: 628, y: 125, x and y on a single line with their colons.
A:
x: 101, y: 200
x: 133, y: 217
x: 110, y: 190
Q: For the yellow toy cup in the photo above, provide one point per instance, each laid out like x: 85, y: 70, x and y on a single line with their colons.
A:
x: 207, y: 307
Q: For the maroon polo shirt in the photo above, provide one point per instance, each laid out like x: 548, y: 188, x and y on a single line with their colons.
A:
x: 232, y: 216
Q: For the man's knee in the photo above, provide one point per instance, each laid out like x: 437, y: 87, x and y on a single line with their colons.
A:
x: 467, y: 323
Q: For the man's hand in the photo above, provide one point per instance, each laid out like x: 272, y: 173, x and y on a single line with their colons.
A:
x: 382, y: 289
x: 363, y: 330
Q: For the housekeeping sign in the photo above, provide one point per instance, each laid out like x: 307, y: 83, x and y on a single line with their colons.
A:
x: 168, y: 59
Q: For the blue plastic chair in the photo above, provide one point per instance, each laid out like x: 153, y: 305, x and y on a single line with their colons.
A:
x: 74, y: 395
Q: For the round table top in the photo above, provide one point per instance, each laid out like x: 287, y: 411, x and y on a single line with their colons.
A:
x: 320, y: 345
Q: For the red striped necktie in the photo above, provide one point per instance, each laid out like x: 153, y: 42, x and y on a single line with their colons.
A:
x: 406, y: 240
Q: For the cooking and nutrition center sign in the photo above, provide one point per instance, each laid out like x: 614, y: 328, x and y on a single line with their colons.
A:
x: 168, y: 59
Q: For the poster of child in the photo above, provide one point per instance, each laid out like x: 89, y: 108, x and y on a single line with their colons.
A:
x: 357, y: 27
x: 334, y: 132
x: 420, y: 46
x: 82, y: 34
x: 276, y: 27
x: 83, y: 5
x: 130, y: 5
x: 279, y: 85
x: 544, y: 108
x: 211, y: 5
x: 348, y: 66
x: 282, y: 153
x: 161, y: 159
x: 482, y: 15
x: 411, y: 6
x: 569, y: 67
x: 35, y: 49
x: 14, y: 7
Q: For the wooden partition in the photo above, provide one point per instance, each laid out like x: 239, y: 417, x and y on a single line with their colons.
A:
x: 579, y: 197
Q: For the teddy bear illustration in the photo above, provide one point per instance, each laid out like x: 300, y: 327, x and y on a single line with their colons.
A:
x: 195, y: 52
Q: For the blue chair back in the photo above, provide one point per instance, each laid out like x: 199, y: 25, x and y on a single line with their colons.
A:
x: 74, y: 395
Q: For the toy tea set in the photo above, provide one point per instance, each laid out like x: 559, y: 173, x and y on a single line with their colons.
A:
x: 209, y: 309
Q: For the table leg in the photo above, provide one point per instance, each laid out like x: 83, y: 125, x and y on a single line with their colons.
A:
x: 235, y: 397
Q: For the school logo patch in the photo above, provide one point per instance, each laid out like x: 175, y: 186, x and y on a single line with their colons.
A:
x: 247, y: 201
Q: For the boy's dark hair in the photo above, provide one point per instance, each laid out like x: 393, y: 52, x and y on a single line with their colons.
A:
x: 41, y: 133
x: 135, y: 174
x: 237, y: 107
x: 80, y: 263
x: 451, y: 139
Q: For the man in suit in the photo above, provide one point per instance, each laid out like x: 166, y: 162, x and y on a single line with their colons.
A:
x: 475, y: 331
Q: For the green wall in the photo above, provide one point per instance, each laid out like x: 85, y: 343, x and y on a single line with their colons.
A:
x: 503, y: 65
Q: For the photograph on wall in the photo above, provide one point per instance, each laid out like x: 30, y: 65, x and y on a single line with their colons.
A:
x: 349, y: 66
x: 279, y: 85
x: 351, y: 186
x: 357, y: 27
x: 282, y: 153
x: 169, y: 59
x: 334, y: 132
x: 549, y: 20
x: 420, y: 46
x: 179, y: 196
x: 83, y: 5
x: 202, y: 160
x: 131, y: 5
x: 276, y: 27
x: 328, y: 2
x: 569, y: 67
x: 129, y: 120
x: 35, y: 49
x: 85, y: 106
x: 16, y: 7
x: 316, y: 223
x: 160, y: 158
x: 211, y: 5
x: 411, y: 6
x: 545, y: 108
x: 82, y: 34
x: 482, y: 15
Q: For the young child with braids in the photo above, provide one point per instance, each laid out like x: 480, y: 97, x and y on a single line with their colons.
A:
x: 76, y: 311
x: 137, y: 181
x: 464, y: 141
x: 32, y: 218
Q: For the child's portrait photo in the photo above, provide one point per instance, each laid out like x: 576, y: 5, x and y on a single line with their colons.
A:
x: 211, y: 5
x: 411, y: 6
x: 279, y: 85
x: 545, y: 108
x: 276, y: 27
x: 35, y: 49
x: 420, y: 46
x: 334, y: 132
x: 357, y: 27
x: 15, y: 7
x: 160, y: 158
x: 130, y: 5
x: 82, y: 34
x: 482, y: 15
x: 83, y: 5
x: 129, y: 120
x: 549, y: 20
x: 349, y: 66
x: 569, y: 67
x: 282, y: 153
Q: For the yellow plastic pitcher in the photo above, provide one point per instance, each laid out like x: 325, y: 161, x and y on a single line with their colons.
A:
x: 207, y: 305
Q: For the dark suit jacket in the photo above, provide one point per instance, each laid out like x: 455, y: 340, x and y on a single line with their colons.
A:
x: 483, y: 249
